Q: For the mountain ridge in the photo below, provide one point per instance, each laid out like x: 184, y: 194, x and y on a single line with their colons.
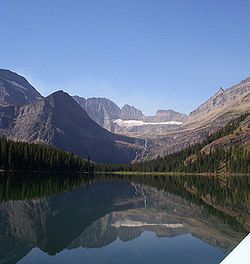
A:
x: 15, y: 89
x: 209, y: 117
x: 59, y: 121
x: 105, y: 112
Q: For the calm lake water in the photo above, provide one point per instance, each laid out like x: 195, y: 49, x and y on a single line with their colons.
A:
x: 121, y: 219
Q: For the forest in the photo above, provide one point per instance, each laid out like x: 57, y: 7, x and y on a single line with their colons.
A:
x: 39, y: 157
x: 235, y: 159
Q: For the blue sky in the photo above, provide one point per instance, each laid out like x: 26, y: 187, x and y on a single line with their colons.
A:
x: 151, y: 54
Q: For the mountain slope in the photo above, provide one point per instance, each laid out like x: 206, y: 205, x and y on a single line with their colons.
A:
x: 222, y: 106
x: 226, y: 151
x: 59, y: 121
x: 15, y: 89
x: 210, y: 116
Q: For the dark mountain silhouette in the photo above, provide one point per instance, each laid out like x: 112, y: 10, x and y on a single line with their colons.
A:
x: 59, y: 121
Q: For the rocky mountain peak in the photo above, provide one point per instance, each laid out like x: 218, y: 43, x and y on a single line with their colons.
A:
x: 130, y: 112
x: 15, y: 89
x: 59, y: 96
x: 101, y: 110
x: 245, y: 80
x: 169, y: 115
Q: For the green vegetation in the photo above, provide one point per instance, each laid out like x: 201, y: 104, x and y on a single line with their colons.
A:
x: 25, y: 156
x: 234, y: 159
x: 228, y: 129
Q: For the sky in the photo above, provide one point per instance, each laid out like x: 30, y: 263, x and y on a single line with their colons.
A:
x: 152, y: 54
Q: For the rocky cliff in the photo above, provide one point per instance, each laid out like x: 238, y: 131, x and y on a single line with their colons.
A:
x: 15, y: 89
x: 168, y: 115
x: 108, y: 115
x: 129, y: 112
x: 101, y: 110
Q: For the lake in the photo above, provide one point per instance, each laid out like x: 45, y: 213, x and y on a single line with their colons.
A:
x: 73, y: 218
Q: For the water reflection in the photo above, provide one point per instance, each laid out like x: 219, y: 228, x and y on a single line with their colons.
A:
x: 92, y: 217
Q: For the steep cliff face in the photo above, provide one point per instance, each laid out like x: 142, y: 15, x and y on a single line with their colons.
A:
x: 129, y: 112
x: 108, y: 115
x: 169, y: 115
x: 101, y: 110
x: 58, y: 120
x: 15, y: 89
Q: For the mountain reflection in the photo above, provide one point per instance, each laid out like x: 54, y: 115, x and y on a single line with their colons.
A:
x: 56, y: 212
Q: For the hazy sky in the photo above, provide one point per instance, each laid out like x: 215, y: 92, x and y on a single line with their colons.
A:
x: 151, y: 54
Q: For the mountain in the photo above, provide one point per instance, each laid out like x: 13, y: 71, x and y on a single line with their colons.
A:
x: 129, y: 112
x: 168, y: 115
x: 129, y: 120
x: 73, y: 124
x: 59, y: 121
x: 235, y: 134
x: 225, y: 151
x: 15, y: 89
x: 221, y: 107
x: 101, y: 110
x: 209, y: 117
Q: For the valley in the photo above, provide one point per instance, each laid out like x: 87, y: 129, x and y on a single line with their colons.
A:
x: 80, y: 125
x: 124, y: 132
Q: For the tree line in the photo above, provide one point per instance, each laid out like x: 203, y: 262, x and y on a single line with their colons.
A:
x: 31, y: 156
x: 26, y: 156
x: 234, y: 159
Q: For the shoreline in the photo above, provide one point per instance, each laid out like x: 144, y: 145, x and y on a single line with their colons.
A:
x: 137, y: 173
x: 176, y: 173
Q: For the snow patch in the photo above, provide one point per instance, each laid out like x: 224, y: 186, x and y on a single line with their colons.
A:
x: 18, y: 85
x: 15, y: 83
x: 131, y: 123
